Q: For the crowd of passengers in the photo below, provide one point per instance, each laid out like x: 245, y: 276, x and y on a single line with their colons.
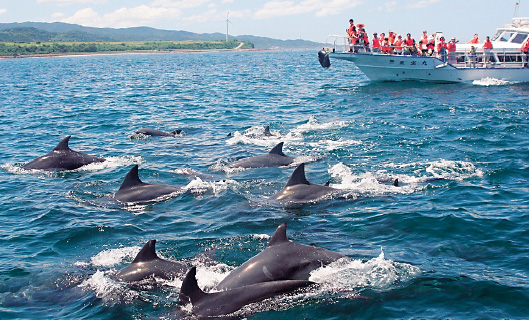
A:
x: 393, y: 43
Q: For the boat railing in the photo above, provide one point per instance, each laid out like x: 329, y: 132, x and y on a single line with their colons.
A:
x: 498, y: 58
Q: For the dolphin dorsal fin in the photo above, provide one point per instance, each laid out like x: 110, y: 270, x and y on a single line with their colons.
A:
x: 190, y: 291
x: 328, y: 183
x: 279, y: 236
x: 278, y: 150
x: 147, y: 253
x: 131, y: 179
x: 267, y: 131
x: 63, y: 145
x: 298, y: 176
x: 396, y: 182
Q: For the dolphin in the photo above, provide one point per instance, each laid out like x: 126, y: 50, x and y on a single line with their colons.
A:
x: 158, y: 133
x: 299, y: 190
x: 226, y: 302
x: 134, y: 190
x: 281, y: 260
x: 147, y: 263
x: 274, y: 158
x: 267, y: 132
x: 62, y: 158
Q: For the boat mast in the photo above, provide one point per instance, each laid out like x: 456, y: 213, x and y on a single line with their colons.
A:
x: 516, y: 5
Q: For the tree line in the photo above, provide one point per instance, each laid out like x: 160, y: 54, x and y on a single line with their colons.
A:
x: 33, y: 48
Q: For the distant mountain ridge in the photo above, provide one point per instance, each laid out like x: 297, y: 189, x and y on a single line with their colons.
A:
x: 60, y: 31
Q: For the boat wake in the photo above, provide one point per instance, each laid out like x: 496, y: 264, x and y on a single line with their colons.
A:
x: 486, y: 82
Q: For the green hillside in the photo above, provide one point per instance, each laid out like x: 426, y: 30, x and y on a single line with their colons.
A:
x: 58, y: 31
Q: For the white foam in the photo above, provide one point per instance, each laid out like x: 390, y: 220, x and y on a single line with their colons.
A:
x: 380, y: 182
x: 491, y: 82
x: 454, y: 170
x: 111, y: 257
x: 313, y: 125
x: 110, y: 291
x: 255, y: 136
x: 348, y: 274
x: 199, y: 186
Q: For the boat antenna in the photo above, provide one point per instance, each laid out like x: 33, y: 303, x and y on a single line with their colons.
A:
x: 516, y: 5
x: 227, y: 24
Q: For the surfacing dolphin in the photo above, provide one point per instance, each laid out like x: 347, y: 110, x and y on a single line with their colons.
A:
x: 62, y: 158
x: 147, y: 263
x: 281, y: 260
x: 299, y: 190
x: 274, y: 158
x: 134, y: 190
x: 158, y: 133
x: 226, y: 302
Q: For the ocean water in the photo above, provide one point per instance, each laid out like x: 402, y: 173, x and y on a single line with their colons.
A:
x: 450, y: 242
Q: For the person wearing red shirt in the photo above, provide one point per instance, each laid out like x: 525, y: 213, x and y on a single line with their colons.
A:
x: 525, y: 50
x: 398, y: 44
x: 375, y: 43
x: 451, y: 47
x: 475, y: 39
x: 351, y: 32
x: 487, y: 51
x: 441, y: 48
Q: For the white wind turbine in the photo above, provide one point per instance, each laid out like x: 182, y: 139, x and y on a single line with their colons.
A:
x: 227, y: 24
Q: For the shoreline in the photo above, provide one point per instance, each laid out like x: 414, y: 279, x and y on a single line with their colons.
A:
x: 82, y: 54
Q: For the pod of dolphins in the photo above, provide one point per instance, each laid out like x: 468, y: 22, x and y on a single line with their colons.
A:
x: 283, y: 267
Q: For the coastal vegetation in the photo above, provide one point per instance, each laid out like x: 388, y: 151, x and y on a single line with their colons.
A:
x: 38, y: 47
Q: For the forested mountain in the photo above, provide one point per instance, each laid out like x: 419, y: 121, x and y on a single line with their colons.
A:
x: 58, y: 31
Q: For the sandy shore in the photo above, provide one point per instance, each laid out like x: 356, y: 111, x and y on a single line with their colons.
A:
x: 81, y: 54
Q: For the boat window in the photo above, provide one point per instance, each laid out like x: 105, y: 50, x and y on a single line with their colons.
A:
x: 519, y: 38
x: 506, y: 36
x: 497, y: 35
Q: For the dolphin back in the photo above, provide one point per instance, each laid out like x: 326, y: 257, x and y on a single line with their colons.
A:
x: 62, y: 158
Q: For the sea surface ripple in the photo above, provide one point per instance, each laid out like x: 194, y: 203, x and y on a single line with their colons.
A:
x: 452, y: 241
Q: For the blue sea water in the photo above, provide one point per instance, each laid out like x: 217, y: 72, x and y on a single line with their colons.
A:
x: 452, y: 241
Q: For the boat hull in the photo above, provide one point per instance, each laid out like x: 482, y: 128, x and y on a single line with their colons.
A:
x: 384, y: 67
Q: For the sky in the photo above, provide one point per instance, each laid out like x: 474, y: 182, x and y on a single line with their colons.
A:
x: 280, y: 19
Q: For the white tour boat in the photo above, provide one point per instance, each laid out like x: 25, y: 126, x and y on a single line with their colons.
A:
x: 506, y: 62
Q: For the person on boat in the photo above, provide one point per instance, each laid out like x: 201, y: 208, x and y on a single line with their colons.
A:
x: 391, y: 37
x: 375, y: 43
x: 424, y: 37
x: 525, y: 50
x: 451, y: 48
x: 386, y: 47
x: 487, y: 51
x: 363, y: 37
x: 472, y: 57
x: 398, y: 44
x: 381, y: 37
x: 441, y: 49
x: 424, y: 40
x: 430, y: 46
x: 474, y: 40
x: 418, y: 48
x: 409, y: 45
x: 352, y: 33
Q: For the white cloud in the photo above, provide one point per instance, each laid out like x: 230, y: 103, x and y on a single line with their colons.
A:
x: 68, y: 2
x: 182, y: 4
x: 421, y: 4
x: 277, y: 8
x: 57, y: 15
x: 124, y: 17
x: 3, y: 10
